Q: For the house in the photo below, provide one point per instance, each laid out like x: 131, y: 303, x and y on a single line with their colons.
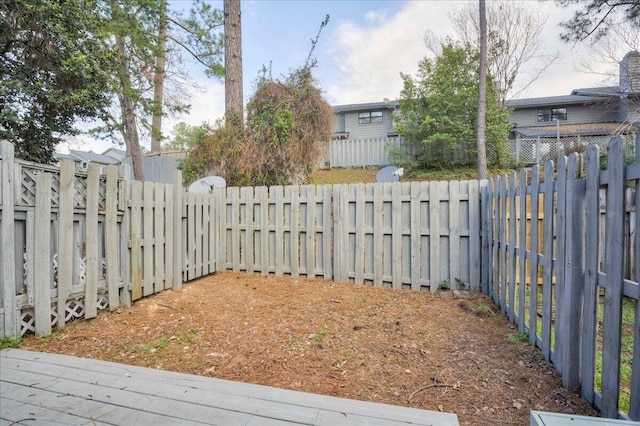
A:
x: 548, y: 126
x: 365, y: 121
x: 84, y: 158
x: 543, y: 127
x: 156, y: 168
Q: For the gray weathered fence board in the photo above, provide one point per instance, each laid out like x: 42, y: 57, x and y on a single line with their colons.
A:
x: 65, y: 237
x: 547, y: 251
x: 590, y: 291
x: 533, y: 255
x: 42, y: 255
x: 136, y: 240
x: 521, y: 251
x: 111, y: 238
x: 612, y: 322
x: 93, y: 263
x: 569, y: 321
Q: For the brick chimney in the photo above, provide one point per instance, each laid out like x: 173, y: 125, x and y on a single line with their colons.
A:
x: 630, y: 73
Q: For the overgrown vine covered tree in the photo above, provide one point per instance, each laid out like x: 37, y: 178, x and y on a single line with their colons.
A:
x: 288, y: 127
x: 439, y: 109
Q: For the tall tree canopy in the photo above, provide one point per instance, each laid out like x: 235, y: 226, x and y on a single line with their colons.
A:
x: 439, y: 110
x: 144, y: 33
x: 53, y: 72
x: 596, y: 17
x: 515, y: 42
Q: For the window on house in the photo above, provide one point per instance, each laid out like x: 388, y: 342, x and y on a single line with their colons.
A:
x: 370, y: 117
x: 552, y: 114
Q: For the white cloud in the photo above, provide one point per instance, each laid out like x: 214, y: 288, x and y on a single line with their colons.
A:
x: 366, y: 58
x: 207, y: 104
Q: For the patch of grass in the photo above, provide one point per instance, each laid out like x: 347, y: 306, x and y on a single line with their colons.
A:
x: 482, y: 309
x: 9, y: 342
x: 341, y: 176
x: 161, y: 344
x: 366, y: 175
x: 139, y: 348
x: 517, y: 337
x: 626, y: 354
x: 147, y: 347
x: 457, y: 173
x: 318, y: 338
x: 188, y: 337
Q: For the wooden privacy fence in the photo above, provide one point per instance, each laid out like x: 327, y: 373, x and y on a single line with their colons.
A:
x: 561, y: 278
x: 366, y: 152
x: 73, y: 242
x: 417, y: 235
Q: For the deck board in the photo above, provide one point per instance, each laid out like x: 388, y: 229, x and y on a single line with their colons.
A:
x: 51, y: 388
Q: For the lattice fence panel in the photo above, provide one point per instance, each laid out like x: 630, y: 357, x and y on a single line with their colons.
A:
x: 27, y: 196
x: 74, y: 309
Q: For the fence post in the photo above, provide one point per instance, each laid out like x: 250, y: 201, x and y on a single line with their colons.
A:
x: 569, y: 316
x: 538, y: 150
x: 7, y: 242
x: 125, y: 234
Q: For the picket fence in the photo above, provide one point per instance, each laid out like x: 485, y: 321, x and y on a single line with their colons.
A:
x: 554, y: 264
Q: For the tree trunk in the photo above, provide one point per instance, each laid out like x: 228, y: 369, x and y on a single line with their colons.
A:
x: 233, y: 63
x: 158, y: 80
x: 128, y: 110
x: 482, y: 95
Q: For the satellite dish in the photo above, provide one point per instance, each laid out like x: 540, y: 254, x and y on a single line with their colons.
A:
x: 207, y: 184
x: 389, y: 174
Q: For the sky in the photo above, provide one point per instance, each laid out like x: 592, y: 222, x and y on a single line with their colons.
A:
x: 361, y: 52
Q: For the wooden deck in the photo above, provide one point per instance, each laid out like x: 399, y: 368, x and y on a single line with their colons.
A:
x: 42, y: 388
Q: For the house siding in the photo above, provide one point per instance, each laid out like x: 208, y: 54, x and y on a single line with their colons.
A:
x: 366, y: 131
x: 576, y: 114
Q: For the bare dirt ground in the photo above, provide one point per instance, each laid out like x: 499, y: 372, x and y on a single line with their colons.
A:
x: 396, y: 347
